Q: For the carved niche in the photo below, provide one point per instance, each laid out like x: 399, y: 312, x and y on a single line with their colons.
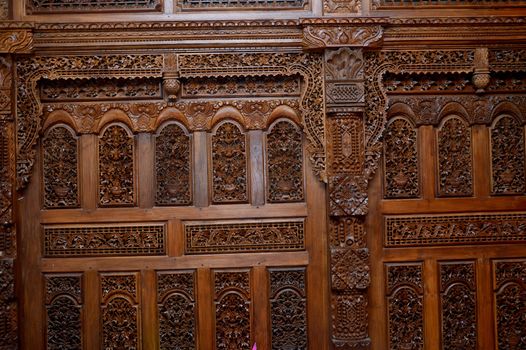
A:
x: 116, y: 167
x: 285, y: 163
x: 173, y: 154
x: 60, y: 168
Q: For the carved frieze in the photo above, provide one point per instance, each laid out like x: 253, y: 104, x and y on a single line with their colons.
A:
x: 104, y: 240
x: 8, y: 305
x: 189, y: 5
x: 244, y: 236
x: 61, y: 6
x: 454, y: 229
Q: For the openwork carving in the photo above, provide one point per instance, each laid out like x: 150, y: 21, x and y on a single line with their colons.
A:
x: 104, y: 240
x: 64, y: 308
x: 244, y: 236
x: 288, y: 309
x: 455, y: 159
x: 344, y: 80
x: 8, y: 305
x: 173, y: 166
x: 285, y: 163
x: 7, y: 171
x: 507, y: 157
x: 186, y: 5
x: 510, y: 296
x: 177, y: 310
x: 405, y: 306
x: 347, y: 147
x: 229, y: 165
x: 458, y: 302
x: 401, y: 4
x: 116, y: 178
x: 119, y: 283
x: 60, y: 168
x: 454, y: 229
x: 401, y: 176
x: 232, y: 310
x: 54, y: 6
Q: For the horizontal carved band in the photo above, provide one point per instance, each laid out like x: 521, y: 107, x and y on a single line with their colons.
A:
x: 228, y: 237
x: 454, y: 229
x: 95, y: 240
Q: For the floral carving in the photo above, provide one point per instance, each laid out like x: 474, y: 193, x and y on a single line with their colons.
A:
x: 172, y: 164
x: 60, y: 168
x: 229, y: 165
x: 347, y: 147
x: 116, y: 178
x: 349, y: 268
x: 228, y: 280
x: 347, y: 195
x: 455, y: 159
x: 507, y: 157
x: 340, y: 35
x: 54, y: 6
x: 185, y: 5
x: 401, y: 176
x: 120, y: 324
x: 285, y: 163
x: 64, y: 284
x: 115, y: 283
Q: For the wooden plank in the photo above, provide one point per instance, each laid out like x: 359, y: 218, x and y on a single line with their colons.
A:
x: 145, y: 158
x: 200, y: 171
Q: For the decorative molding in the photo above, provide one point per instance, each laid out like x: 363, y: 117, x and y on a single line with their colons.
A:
x: 338, y: 35
x: 16, y: 40
x: 200, y: 5
x: 53, y: 7
x: 230, y: 237
x: 452, y: 4
x: 104, y: 240
x: 454, y: 229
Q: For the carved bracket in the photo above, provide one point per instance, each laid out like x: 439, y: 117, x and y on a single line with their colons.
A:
x: 324, y: 33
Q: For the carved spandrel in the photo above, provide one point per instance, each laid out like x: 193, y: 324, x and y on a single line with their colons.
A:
x: 116, y: 163
x: 60, y: 167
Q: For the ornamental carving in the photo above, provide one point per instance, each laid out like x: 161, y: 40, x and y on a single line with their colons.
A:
x: 285, y: 163
x: 322, y: 36
x: 244, y: 236
x: 104, y: 240
x: 342, y: 7
x: 60, y: 168
x: 64, y: 310
x: 346, y: 149
x: 454, y: 229
x: 4, y: 9
x: 120, y: 324
x: 123, y: 284
x: 116, y: 175
x: 401, y: 4
x: 349, y: 321
x: 507, y: 157
x: 61, y: 6
x: 16, y: 40
x: 347, y: 195
x: 173, y: 152
x: 229, y: 165
x: 349, y: 268
x: 231, y: 280
x: 405, y: 306
x: 510, y: 298
x: 344, y: 80
x: 7, y: 171
x: 8, y: 305
x: 347, y: 232
x: 454, y: 159
x: 288, y: 309
x: 189, y: 5
x: 177, y: 310
x: 401, y: 173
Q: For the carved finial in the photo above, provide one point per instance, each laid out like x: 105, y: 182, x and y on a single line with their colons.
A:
x: 481, y: 75
x: 171, y: 86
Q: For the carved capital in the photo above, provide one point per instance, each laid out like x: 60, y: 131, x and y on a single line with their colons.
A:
x: 340, y: 35
x: 16, y: 40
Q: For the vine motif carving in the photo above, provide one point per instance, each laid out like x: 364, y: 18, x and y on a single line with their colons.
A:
x: 54, y: 6
x: 58, y: 285
x: 284, y: 163
x: 248, y: 236
x: 120, y: 324
x: 172, y: 165
x: 116, y: 178
x: 229, y: 165
x: 227, y: 280
x: 507, y: 157
x: 401, y: 177
x: 510, y: 296
x: 405, y: 306
x: 458, y: 305
x: 60, y: 168
x: 288, y: 309
x: 347, y: 147
x: 16, y: 40
x: 455, y: 159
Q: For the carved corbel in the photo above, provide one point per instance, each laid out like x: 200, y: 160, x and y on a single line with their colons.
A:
x: 334, y: 33
x: 16, y: 37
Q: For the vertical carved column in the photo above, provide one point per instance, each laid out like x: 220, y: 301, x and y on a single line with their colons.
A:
x: 349, y: 256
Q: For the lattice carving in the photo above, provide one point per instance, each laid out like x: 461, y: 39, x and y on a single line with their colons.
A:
x: 83, y: 240
x: 458, y: 301
x: 455, y: 159
x: 349, y: 268
x: 177, y: 310
x: 455, y: 229
x: 17, y: 38
x: 347, y: 232
x: 229, y: 165
x: 116, y: 178
x: 185, y: 5
x: 54, y: 6
x: 507, y: 157
x: 349, y: 320
x: 510, y: 299
x: 285, y: 163
x: 173, y: 152
x: 347, y: 152
x: 405, y: 306
x: 232, y: 310
x: 60, y: 167
x: 244, y: 237
x: 288, y: 309
x: 64, y: 307
x: 401, y: 175
x: 8, y: 305
x: 100, y: 89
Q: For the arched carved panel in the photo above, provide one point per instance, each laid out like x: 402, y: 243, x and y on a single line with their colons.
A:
x: 173, y: 154
x: 177, y: 310
x: 60, y: 168
x: 455, y: 166
x: 229, y: 165
x: 507, y: 157
x: 285, y: 163
x: 401, y: 173
x: 116, y: 177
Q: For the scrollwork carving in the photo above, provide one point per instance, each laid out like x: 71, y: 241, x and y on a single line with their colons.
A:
x: 16, y: 40
x: 315, y: 37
